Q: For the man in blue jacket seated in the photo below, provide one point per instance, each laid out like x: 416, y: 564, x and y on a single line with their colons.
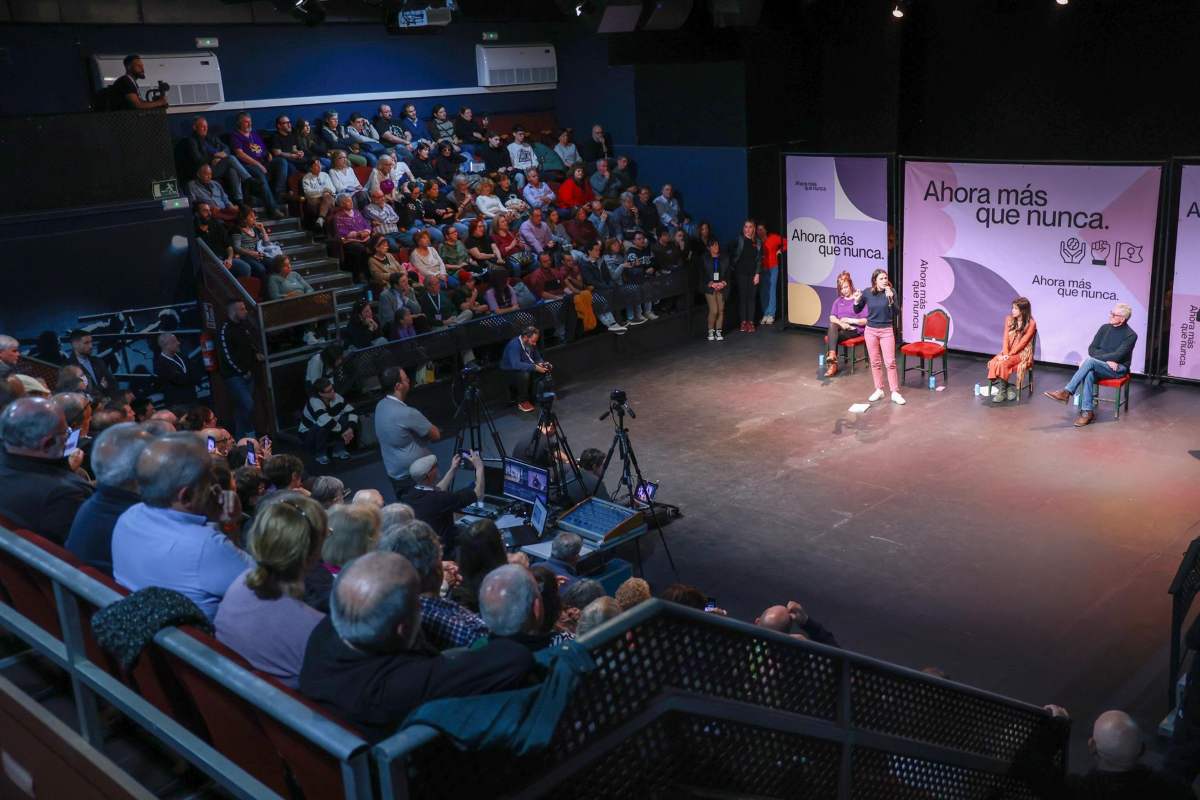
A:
x: 1108, y: 357
x: 524, y: 362
x: 366, y: 662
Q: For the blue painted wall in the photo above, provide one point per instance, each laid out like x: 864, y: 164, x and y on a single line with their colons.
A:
x: 712, y: 181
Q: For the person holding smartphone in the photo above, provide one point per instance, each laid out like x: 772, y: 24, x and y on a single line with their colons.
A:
x: 882, y: 305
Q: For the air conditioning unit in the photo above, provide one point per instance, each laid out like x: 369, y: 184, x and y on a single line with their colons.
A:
x: 195, y: 78
x: 515, y: 64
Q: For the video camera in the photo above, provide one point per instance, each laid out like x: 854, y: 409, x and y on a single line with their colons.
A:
x: 160, y: 91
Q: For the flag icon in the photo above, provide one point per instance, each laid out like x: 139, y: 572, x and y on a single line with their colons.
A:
x: 1128, y: 252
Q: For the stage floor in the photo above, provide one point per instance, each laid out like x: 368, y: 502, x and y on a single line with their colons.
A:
x: 999, y: 543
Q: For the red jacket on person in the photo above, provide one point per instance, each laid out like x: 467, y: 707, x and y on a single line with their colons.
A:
x: 572, y: 194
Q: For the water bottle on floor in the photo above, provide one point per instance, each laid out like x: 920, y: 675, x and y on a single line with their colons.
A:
x: 932, y: 383
x: 821, y: 360
x: 977, y: 390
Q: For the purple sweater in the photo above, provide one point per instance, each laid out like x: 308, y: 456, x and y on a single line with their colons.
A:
x: 843, y: 308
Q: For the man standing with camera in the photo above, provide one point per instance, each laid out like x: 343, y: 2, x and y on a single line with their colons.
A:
x: 526, y: 367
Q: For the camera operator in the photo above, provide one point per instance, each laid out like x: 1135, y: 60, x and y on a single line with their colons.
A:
x: 125, y: 89
x: 591, y: 465
x: 526, y: 367
x: 432, y: 500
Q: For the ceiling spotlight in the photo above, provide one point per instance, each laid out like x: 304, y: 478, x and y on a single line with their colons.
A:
x: 898, y: 11
x: 585, y: 7
x: 1062, y: 2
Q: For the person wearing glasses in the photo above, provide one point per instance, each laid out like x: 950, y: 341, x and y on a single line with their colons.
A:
x: 1109, y: 356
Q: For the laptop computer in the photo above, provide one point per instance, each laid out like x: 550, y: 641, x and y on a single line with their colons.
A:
x: 521, y: 535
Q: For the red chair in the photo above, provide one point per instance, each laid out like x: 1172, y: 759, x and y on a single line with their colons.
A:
x: 935, y: 335
x: 1121, y: 398
x: 30, y: 592
x: 232, y: 722
x: 848, y: 349
x: 316, y: 772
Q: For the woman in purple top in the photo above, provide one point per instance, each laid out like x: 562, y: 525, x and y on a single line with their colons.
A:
x: 262, y: 615
x: 843, y: 322
x: 353, y: 231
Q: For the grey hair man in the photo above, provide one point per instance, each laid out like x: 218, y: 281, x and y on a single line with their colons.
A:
x: 1109, y: 356
x: 510, y: 603
x: 564, y: 555
x: 165, y: 540
x: 365, y: 661
x: 444, y: 623
x: 115, y: 454
x: 597, y: 612
x: 10, y: 353
x: 38, y: 491
x: 394, y: 514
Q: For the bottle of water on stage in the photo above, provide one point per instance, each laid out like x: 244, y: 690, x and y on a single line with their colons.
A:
x: 821, y: 360
x: 932, y: 382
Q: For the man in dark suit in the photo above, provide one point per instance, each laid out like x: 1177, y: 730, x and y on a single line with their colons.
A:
x: 38, y: 491
x: 367, y: 663
x: 100, y: 379
x: 203, y: 148
x: 176, y: 379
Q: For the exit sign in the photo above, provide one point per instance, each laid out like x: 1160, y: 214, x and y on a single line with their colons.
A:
x: 491, y: 36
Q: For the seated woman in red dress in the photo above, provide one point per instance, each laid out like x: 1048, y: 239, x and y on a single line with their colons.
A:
x: 1016, y: 354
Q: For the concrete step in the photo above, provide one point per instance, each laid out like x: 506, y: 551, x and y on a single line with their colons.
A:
x: 305, y: 251
x: 288, y: 236
x: 330, y: 280
x: 317, y: 266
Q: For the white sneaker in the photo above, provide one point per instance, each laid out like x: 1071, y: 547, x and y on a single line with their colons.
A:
x: 638, y: 320
x: 720, y: 338
x: 1012, y: 394
x: 712, y: 336
x: 617, y: 329
x: 310, y: 337
x: 765, y: 320
x: 650, y: 315
x: 875, y: 395
x: 320, y: 226
x: 897, y: 399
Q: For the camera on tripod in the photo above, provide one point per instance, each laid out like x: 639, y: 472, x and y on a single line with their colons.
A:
x: 161, y: 91
x: 470, y: 373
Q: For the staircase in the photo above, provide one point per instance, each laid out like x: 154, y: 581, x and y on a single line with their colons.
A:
x: 310, y: 259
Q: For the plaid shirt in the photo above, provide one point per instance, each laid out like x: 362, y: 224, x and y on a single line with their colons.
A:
x: 447, y: 624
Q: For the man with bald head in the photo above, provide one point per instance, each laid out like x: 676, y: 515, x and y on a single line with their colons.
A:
x: 1116, y: 747
x: 165, y: 540
x: 38, y: 490
x: 367, y: 662
x: 114, y: 458
x: 510, y: 602
x: 793, y: 620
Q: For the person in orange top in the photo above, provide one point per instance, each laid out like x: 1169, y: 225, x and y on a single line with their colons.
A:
x: 773, y: 246
x: 1016, y: 354
x: 575, y: 191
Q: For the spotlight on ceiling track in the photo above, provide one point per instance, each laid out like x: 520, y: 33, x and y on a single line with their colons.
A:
x: 898, y: 10
x: 585, y: 7
x: 1062, y: 2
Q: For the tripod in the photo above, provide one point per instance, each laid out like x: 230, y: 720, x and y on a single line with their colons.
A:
x: 631, y: 478
x: 474, y: 414
x: 558, y: 452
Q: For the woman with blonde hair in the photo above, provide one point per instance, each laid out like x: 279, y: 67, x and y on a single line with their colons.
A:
x: 843, y: 322
x: 262, y: 615
x: 1016, y: 352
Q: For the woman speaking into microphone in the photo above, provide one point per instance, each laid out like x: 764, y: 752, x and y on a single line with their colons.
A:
x: 882, y: 306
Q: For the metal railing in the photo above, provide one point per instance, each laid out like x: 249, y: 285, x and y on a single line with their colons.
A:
x: 680, y: 697
x: 90, y: 683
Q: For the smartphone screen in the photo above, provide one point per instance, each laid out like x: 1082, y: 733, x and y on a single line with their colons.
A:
x: 72, y: 441
x: 250, y: 457
x: 710, y: 604
x: 212, y: 444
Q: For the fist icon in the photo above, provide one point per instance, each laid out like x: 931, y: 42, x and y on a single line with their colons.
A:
x: 1100, y: 253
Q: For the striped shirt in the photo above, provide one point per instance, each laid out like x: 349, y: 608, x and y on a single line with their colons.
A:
x: 334, y: 418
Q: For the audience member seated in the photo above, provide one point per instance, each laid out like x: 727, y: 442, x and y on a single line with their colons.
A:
x: 1116, y: 746
x: 319, y: 192
x: 345, y: 181
x: 632, y: 592
x: 202, y: 148
x: 440, y: 128
x: 422, y: 166
x: 411, y: 124
x: 284, y: 472
x: 550, y: 165
x: 395, y: 514
x: 594, y: 275
x: 564, y: 555
x: 465, y: 298
x: 38, y: 490
x: 468, y: 131
x: 535, y: 233
x: 353, y: 531
x: 623, y: 172
x: 453, y: 253
x: 604, y: 222
x: 334, y: 137
x: 537, y: 194
x: 517, y: 257
x: 499, y: 296
x: 444, y: 622
x: 483, y: 252
x: 581, y: 230
x: 252, y: 243
x: 283, y: 281
x: 327, y: 421
x: 385, y: 222
x: 520, y: 152
x: 566, y: 149
x: 391, y: 134
x: 353, y: 231
x: 434, y: 502
x: 312, y: 144
x: 383, y: 265
x: 546, y: 282
x: 487, y: 203
x: 216, y: 236
x: 388, y: 177
x: 365, y: 139
x: 286, y: 148
x: 605, y: 185
x: 597, y: 147
x: 628, y: 219
x: 793, y: 620
x: 165, y: 540
x: 510, y: 602
x: 364, y: 660
x: 262, y: 616
x: 446, y: 164
x: 425, y: 259
x: 363, y: 331
x: 496, y: 159
x: 10, y: 354
x: 328, y: 491
x: 510, y: 196
x: 114, y: 455
x: 203, y: 189
x: 596, y: 613
x: 395, y: 300
x: 577, y: 597
x: 249, y: 148
x: 558, y: 233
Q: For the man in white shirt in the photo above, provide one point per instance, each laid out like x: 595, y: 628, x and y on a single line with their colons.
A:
x: 520, y: 152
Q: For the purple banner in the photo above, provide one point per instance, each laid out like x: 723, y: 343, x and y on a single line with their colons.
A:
x: 1183, y: 361
x: 1074, y: 239
x: 837, y: 220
